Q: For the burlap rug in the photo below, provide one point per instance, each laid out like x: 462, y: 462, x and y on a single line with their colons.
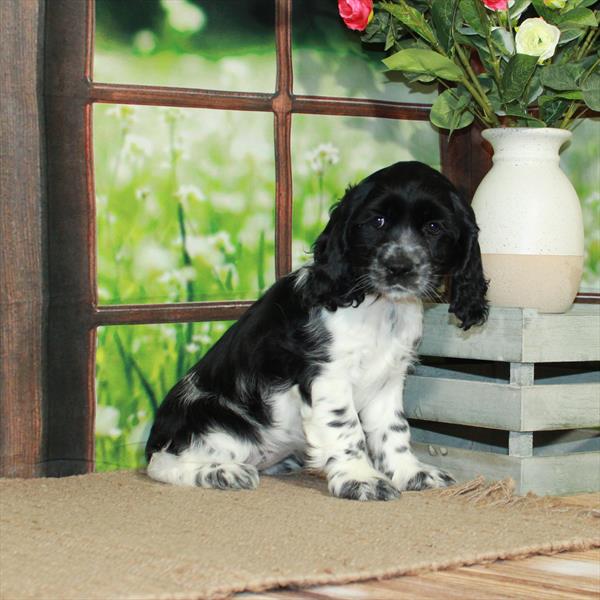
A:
x: 120, y: 535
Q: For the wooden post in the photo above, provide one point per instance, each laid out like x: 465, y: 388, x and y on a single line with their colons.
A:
x: 71, y: 239
x: 22, y: 233
x: 465, y: 158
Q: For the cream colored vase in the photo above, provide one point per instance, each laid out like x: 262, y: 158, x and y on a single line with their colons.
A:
x: 531, y: 227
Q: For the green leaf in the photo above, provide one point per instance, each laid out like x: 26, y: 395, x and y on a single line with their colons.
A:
x: 375, y: 33
x: 551, y: 108
x: 411, y: 18
x: 568, y: 35
x: 415, y: 60
x: 450, y: 110
x: 516, y: 76
x: 591, y: 90
x: 503, y: 41
x: 534, y: 89
x: 546, y: 13
x: 519, y: 7
x: 561, y: 77
x: 526, y: 119
x: 442, y: 16
x: 390, y: 38
x: 474, y: 14
x: 578, y: 17
x: 572, y: 95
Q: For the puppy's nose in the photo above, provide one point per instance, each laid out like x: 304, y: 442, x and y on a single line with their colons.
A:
x: 401, y: 268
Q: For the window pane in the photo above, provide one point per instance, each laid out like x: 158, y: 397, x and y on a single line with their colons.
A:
x: 136, y: 366
x: 209, y: 44
x: 581, y: 162
x: 329, y: 60
x: 329, y: 153
x: 185, y: 204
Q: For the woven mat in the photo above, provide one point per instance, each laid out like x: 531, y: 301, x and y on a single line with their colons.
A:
x: 121, y: 535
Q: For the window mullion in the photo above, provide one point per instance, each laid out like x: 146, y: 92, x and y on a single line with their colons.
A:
x: 282, y: 107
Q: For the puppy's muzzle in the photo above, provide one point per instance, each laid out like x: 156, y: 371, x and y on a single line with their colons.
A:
x: 402, y: 268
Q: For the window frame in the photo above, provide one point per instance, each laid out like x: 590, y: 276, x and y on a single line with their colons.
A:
x: 57, y: 438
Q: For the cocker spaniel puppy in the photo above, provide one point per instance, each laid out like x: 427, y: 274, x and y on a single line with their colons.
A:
x: 313, y: 372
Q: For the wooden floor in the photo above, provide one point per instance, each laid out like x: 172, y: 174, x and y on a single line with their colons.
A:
x: 565, y: 575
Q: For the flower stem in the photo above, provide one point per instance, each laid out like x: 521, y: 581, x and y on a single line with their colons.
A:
x: 475, y: 89
x: 589, y: 39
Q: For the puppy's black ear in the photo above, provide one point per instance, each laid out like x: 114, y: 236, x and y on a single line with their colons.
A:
x: 331, y: 282
x: 468, y: 285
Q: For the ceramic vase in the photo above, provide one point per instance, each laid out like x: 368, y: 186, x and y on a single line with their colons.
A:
x: 530, y: 220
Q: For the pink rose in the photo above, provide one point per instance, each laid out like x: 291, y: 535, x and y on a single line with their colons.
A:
x: 496, y: 4
x: 357, y: 14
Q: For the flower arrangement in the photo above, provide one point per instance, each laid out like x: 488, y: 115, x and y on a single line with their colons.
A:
x: 524, y: 63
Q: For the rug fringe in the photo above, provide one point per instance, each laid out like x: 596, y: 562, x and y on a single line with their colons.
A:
x: 502, y: 493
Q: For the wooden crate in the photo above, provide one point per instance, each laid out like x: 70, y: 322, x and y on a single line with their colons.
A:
x: 518, y: 397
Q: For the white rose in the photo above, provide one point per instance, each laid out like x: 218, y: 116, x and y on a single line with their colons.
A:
x: 537, y: 38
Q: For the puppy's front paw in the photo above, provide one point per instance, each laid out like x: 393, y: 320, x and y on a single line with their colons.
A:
x: 423, y: 477
x: 373, y: 488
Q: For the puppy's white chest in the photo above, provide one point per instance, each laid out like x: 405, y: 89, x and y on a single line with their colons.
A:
x: 373, y: 339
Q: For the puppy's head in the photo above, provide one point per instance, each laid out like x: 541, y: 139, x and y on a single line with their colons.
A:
x: 398, y: 233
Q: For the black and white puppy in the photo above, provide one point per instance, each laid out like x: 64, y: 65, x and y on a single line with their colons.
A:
x: 314, y: 370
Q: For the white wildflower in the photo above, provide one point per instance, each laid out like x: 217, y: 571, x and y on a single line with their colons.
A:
x: 171, y: 115
x: 151, y: 205
x: 322, y: 156
x: 202, y: 338
x: 192, y: 348
x: 144, y: 41
x: 125, y: 113
x: 136, y: 149
x: 103, y: 294
x: 151, y: 257
x: 183, y: 16
x: 189, y: 194
x: 180, y: 276
x: 212, y: 249
x: 228, y: 271
x: 138, y: 436
x: 253, y: 226
x: 107, y: 421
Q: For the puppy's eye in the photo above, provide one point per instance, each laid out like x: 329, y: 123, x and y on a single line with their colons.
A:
x: 433, y: 228
x: 378, y: 222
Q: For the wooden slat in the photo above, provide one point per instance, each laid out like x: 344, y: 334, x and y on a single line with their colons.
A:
x: 169, y: 313
x: 71, y: 240
x: 476, y: 403
x: 552, y: 407
x: 358, y: 107
x: 444, y: 396
x: 468, y: 464
x: 515, y: 335
x: 115, y: 93
x: 567, y: 474
x: 572, y: 336
x: 22, y: 264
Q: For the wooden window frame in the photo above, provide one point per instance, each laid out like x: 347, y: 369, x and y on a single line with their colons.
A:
x: 47, y: 408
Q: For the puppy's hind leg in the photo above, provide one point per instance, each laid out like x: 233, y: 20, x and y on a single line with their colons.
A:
x: 217, y: 460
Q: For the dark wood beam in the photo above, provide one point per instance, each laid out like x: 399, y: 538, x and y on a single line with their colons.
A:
x: 22, y: 263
